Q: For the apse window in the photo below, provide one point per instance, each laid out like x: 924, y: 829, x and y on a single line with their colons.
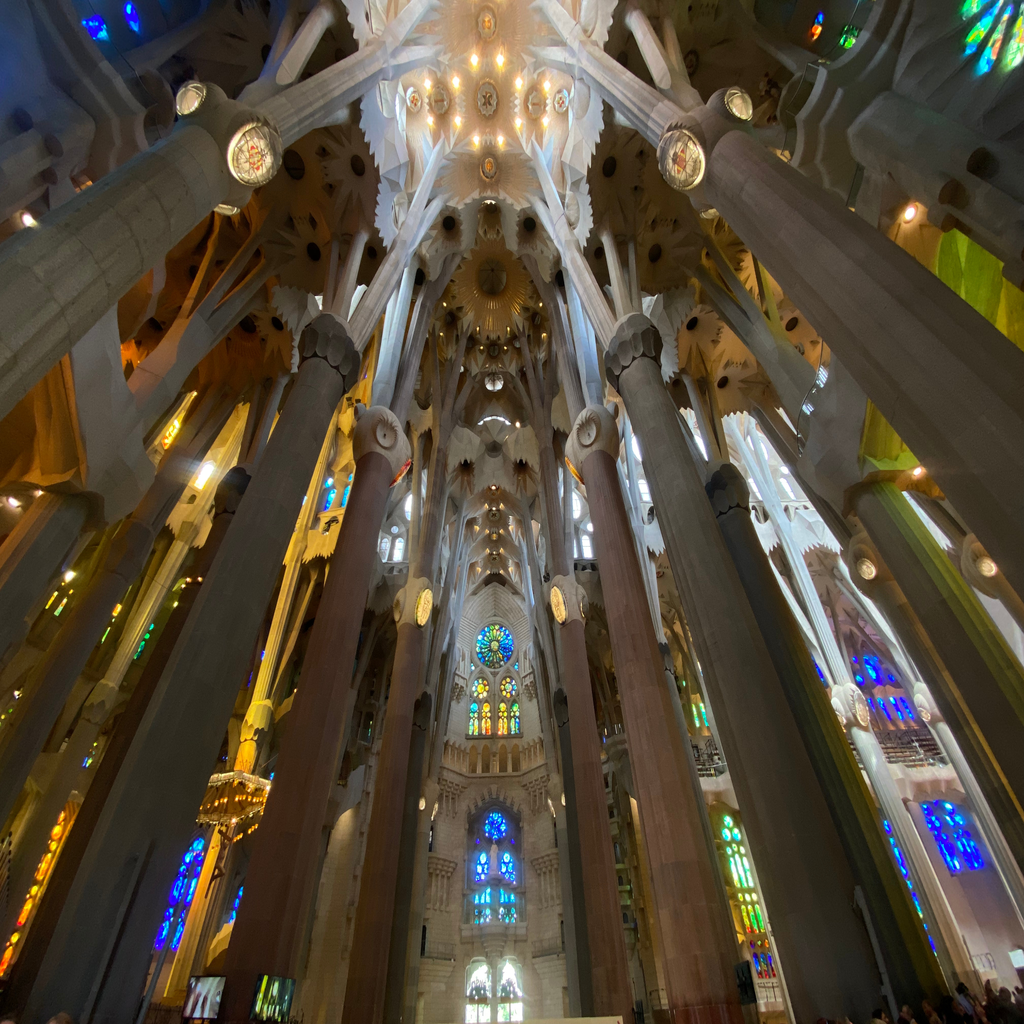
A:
x: 478, y: 992
x: 510, y: 991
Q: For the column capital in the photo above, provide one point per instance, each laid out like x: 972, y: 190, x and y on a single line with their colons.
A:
x: 594, y: 430
x: 867, y: 569
x: 571, y: 603
x: 326, y: 337
x: 727, y: 489
x: 635, y: 337
x: 378, y: 430
x: 850, y: 706
x: 414, y: 602
x: 979, y: 567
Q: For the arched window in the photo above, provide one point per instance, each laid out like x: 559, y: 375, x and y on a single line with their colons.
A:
x: 478, y: 992
x: 384, y: 547
x: 483, y: 866
x: 507, y: 867
x: 485, y: 719
x: 510, y: 991
x: 399, y: 549
x: 502, y: 719
x: 1006, y: 41
x: 494, y: 645
x: 513, y: 719
x: 493, y: 869
x: 407, y: 507
x: 586, y: 545
x: 474, y: 719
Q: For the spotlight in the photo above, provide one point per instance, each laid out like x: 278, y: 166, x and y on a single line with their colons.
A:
x: 909, y: 212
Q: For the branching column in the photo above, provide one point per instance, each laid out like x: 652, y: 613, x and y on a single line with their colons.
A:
x: 693, y: 924
x: 281, y: 881
x: 122, y: 884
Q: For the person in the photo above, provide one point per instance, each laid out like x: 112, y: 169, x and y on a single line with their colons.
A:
x: 906, y: 1015
x: 876, y: 1017
x: 951, y: 1011
x: 966, y: 1000
x: 929, y: 1014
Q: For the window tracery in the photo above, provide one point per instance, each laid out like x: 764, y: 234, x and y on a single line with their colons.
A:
x: 494, y: 645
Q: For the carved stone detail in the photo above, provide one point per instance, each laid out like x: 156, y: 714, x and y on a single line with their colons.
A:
x: 594, y: 430
x: 635, y: 337
x: 727, y: 489
x: 405, y: 600
x: 378, y: 430
x: 327, y: 338
x: 576, y: 601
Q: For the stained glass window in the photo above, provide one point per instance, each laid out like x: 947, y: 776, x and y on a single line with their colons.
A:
x: 506, y: 909
x: 494, y: 645
x: 507, y: 867
x: 474, y: 719
x: 482, y: 907
x: 480, y: 689
x: 483, y: 866
x: 509, y: 688
x: 495, y: 826
x: 478, y: 992
x: 485, y: 720
x: 399, y: 552
x: 234, y: 906
x: 502, y: 719
x: 182, y: 891
x: 1005, y: 40
x: 513, y: 719
x: 952, y: 837
x: 510, y: 991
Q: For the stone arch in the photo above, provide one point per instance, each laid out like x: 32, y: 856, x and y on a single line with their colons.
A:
x: 516, y: 762
x: 472, y: 759
x: 485, y: 759
x: 503, y: 758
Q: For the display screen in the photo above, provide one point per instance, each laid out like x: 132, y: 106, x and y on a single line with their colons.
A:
x: 273, y: 999
x: 202, y: 998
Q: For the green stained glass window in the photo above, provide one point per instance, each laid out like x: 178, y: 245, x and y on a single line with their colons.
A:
x: 494, y: 645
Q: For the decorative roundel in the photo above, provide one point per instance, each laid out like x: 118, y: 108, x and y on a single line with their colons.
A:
x: 424, y: 604
x: 413, y: 99
x: 495, y: 826
x: 560, y: 101
x: 487, y: 22
x: 866, y: 569
x: 439, y: 99
x: 509, y: 688
x: 494, y: 645
x: 190, y: 98
x: 681, y: 159
x: 480, y: 689
x: 536, y: 102
x: 739, y: 103
x: 488, y: 168
x: 487, y: 98
x: 254, y: 153
x: 494, y: 381
x: 860, y: 709
x: 558, y: 608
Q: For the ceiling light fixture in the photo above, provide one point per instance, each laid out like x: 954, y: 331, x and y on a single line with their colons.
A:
x: 519, y: 81
x: 500, y: 60
x: 909, y: 212
x: 474, y: 59
x: 455, y: 81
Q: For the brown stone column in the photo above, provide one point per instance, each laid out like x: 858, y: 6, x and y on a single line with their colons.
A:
x: 973, y: 676
x: 693, y: 924
x: 281, y: 880
x: 825, y: 949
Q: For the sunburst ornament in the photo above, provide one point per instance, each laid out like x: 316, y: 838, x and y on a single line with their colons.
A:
x: 493, y: 286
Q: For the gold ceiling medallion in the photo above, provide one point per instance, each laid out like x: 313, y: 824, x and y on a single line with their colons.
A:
x: 439, y: 99
x: 487, y: 98
x: 424, y: 604
x: 487, y: 22
x: 413, y: 99
x: 536, y: 102
x: 560, y: 101
x: 488, y: 168
x: 558, y: 608
x: 681, y: 159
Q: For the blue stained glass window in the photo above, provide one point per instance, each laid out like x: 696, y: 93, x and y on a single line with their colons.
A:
x: 896, y: 708
x: 952, y: 837
x: 872, y: 667
x: 495, y: 826
x: 482, y: 907
x: 817, y: 668
x: 506, y: 907
x: 474, y: 719
x: 131, y: 17
x: 907, y: 709
x: 234, y: 906
x: 329, y: 500
x: 97, y: 28
x: 483, y: 867
x: 182, y: 891
x: 494, y: 645
x: 507, y: 867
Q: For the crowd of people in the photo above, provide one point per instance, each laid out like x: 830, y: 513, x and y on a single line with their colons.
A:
x: 964, y: 1007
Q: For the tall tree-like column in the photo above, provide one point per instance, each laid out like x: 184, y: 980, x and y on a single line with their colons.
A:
x: 825, y: 948
x: 118, y: 897
x: 610, y: 980
x: 367, y: 977
x: 693, y: 924
x: 281, y: 881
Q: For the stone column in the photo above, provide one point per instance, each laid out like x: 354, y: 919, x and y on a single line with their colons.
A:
x: 122, y: 885
x: 912, y: 969
x: 48, y: 914
x: 281, y: 881
x: 983, y: 702
x: 394, y: 995
x: 825, y: 950
x: 32, y: 553
x: 693, y: 924
x: 51, y: 680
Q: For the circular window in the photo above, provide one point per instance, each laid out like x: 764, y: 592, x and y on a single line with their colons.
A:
x: 494, y: 645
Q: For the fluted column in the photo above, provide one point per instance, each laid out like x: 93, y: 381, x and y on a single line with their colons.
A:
x: 150, y: 812
x: 32, y: 553
x: 693, y: 924
x: 913, y: 971
x: 982, y: 698
x: 281, y: 880
x: 824, y: 948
